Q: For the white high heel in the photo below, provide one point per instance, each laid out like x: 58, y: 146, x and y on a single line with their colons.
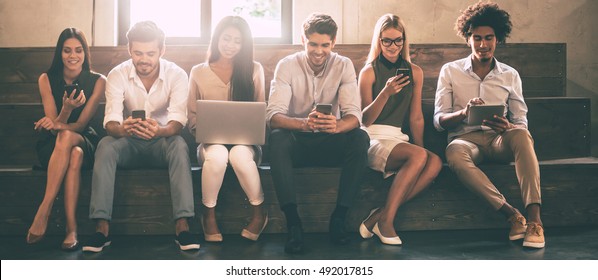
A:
x: 363, y: 230
x: 386, y: 240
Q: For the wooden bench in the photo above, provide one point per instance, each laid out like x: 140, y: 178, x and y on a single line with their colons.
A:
x: 545, y: 77
x: 142, y: 200
x: 560, y: 126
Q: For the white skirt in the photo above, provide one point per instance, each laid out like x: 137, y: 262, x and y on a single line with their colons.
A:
x: 383, y: 138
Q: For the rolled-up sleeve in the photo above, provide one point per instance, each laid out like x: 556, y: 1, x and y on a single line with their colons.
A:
x: 280, y: 91
x: 179, y: 91
x: 348, y: 93
x: 443, y: 102
x: 517, y: 108
x: 115, y: 95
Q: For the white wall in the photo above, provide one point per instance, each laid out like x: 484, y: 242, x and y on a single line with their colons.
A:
x: 37, y: 23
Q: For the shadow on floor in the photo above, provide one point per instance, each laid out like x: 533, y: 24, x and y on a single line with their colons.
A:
x: 563, y: 243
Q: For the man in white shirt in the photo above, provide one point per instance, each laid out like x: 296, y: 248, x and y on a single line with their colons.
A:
x: 159, y: 87
x: 302, y: 136
x: 482, y: 79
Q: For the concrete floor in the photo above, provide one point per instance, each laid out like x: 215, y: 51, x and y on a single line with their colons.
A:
x: 563, y: 243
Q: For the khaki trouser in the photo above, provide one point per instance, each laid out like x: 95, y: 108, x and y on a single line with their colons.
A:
x: 468, y: 150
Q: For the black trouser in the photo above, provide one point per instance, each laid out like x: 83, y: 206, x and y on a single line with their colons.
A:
x: 300, y: 149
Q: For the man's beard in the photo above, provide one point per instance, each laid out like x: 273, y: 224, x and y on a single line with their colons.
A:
x: 485, y: 59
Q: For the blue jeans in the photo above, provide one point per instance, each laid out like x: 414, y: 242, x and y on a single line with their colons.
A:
x: 129, y: 152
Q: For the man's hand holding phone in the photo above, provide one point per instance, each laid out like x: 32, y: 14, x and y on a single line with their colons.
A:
x: 130, y: 126
x: 146, y: 129
x: 321, y: 119
x: 140, y: 126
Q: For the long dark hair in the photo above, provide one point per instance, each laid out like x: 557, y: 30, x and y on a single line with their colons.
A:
x: 242, y: 80
x: 57, y: 66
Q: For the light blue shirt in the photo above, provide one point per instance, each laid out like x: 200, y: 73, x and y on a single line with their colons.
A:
x: 295, y: 89
x: 457, y: 84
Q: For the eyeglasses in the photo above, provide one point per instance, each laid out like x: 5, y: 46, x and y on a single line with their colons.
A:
x: 388, y: 42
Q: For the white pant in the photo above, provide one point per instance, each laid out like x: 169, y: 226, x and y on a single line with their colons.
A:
x: 215, y: 158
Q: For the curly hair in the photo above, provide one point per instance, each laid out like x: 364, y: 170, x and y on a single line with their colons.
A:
x: 484, y: 14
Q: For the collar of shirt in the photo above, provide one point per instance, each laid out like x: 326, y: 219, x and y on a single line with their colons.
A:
x: 388, y: 64
x: 310, y: 70
x: 161, y: 74
x: 468, y: 66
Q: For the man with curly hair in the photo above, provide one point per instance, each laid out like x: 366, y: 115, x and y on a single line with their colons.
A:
x: 481, y: 79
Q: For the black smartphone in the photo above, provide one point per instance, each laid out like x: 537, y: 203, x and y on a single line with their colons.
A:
x: 325, y: 109
x: 70, y: 88
x: 404, y: 71
x: 138, y: 114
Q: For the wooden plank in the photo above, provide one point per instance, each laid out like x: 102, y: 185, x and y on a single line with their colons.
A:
x: 19, y: 93
x: 142, y: 202
x: 19, y: 138
x: 416, y: 215
x: 532, y: 87
x: 569, y: 116
x: 544, y: 76
x: 560, y: 127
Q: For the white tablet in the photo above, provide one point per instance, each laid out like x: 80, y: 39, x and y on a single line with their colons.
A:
x: 479, y: 113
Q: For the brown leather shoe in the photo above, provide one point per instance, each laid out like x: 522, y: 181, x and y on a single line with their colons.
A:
x: 518, y: 227
x: 534, y: 236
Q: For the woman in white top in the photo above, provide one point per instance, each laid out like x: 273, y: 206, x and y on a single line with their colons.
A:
x: 229, y: 74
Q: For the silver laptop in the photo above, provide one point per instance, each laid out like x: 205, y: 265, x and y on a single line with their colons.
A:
x: 230, y: 122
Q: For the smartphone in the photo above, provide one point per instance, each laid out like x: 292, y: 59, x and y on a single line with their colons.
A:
x: 70, y: 88
x: 324, y: 108
x: 404, y: 71
x: 138, y: 114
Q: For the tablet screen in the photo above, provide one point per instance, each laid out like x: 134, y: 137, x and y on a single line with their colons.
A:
x: 479, y: 113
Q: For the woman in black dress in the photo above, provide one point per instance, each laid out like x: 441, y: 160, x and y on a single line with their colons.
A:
x: 66, y: 143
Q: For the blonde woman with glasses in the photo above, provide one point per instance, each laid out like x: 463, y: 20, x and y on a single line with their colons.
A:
x: 391, y: 89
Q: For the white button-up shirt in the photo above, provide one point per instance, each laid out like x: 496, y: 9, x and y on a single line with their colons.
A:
x: 166, y: 100
x: 457, y: 84
x: 295, y: 89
